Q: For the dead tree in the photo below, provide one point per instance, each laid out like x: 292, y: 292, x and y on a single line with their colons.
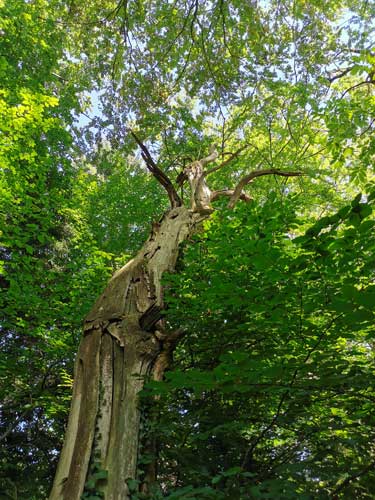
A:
x: 125, y: 342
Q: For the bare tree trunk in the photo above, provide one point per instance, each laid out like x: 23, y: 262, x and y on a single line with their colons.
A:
x: 120, y: 347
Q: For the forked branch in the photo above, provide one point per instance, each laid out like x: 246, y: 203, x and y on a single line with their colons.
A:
x: 225, y: 162
x: 249, y: 178
x: 195, y: 170
x: 211, y: 157
x: 159, y: 175
x: 201, y: 178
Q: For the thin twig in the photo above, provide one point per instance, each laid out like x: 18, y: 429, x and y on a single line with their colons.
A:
x: 224, y: 163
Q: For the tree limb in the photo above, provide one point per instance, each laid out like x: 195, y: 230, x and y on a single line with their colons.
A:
x: 224, y: 163
x: 197, y: 166
x: 369, y: 80
x: 159, y: 175
x: 201, y: 182
x: 229, y: 192
x: 257, y: 173
x: 164, y: 360
x: 211, y: 157
x: 340, y: 74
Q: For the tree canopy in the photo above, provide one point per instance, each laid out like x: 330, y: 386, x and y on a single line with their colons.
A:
x: 271, y: 392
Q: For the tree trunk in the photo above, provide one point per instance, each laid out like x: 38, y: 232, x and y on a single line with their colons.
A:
x: 121, y: 347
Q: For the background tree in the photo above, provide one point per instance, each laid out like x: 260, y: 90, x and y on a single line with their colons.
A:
x: 291, y: 81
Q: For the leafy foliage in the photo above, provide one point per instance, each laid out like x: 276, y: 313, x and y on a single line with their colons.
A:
x: 51, y: 269
x: 272, y: 393
x: 273, y: 383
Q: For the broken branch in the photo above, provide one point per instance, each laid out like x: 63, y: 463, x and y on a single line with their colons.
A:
x: 159, y: 175
x: 211, y: 157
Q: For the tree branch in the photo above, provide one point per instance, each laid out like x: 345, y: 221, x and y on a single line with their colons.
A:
x: 351, y: 478
x: 159, y: 175
x: 183, y: 176
x: 369, y: 81
x: 211, y: 157
x: 340, y: 74
x: 224, y: 163
x: 202, y: 174
x: 169, y: 342
x: 229, y: 192
x: 257, y: 173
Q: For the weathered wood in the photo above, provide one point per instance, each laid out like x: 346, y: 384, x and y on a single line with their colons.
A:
x: 150, y: 317
x: 71, y: 475
x: 118, y: 351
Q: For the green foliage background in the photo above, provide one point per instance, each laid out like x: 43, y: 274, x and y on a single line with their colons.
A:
x: 272, y: 392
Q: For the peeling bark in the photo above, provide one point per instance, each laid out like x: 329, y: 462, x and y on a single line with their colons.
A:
x: 121, y: 347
